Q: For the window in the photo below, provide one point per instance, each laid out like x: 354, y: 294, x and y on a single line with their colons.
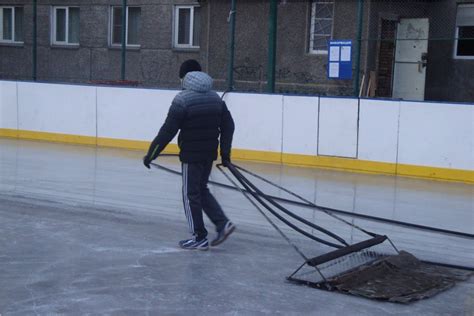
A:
x: 464, y: 44
x: 187, y: 24
x: 65, y: 30
x: 11, y: 25
x: 322, y: 14
x: 132, y: 25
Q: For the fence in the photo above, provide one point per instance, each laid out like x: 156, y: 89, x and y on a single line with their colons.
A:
x: 412, y: 50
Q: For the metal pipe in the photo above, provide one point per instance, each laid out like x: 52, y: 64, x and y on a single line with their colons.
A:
x: 124, y: 38
x: 272, y: 38
x: 360, y: 7
x: 230, y: 70
x: 35, y: 43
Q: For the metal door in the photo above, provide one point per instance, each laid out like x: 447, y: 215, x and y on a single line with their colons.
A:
x: 411, y: 59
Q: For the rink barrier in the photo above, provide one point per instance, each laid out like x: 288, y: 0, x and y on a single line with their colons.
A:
x: 330, y: 163
x: 382, y: 137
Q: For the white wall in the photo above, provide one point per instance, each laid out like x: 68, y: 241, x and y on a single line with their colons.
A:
x: 436, y: 134
x: 65, y: 109
x: 258, y: 121
x: 378, y: 130
x: 300, y: 125
x: 8, y: 105
x: 413, y: 133
x: 338, y: 127
x: 135, y: 114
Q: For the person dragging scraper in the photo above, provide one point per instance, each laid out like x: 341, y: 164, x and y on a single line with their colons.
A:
x: 201, y: 117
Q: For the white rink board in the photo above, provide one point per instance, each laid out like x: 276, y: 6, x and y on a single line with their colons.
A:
x: 57, y: 108
x: 300, y: 125
x: 258, y: 121
x: 8, y: 105
x: 134, y: 114
x: 436, y: 135
x: 338, y: 127
x: 417, y: 133
x: 378, y: 130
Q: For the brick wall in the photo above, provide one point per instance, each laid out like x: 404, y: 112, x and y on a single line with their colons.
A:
x: 385, y: 60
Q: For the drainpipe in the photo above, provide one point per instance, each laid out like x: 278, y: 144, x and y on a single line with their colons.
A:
x: 230, y: 69
x: 360, y: 7
x: 35, y: 27
x: 124, y: 37
x: 272, y: 37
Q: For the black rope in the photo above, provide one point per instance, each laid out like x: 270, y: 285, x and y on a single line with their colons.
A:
x: 245, y: 193
x: 306, y: 201
x: 281, y: 218
x: 337, y: 211
x: 236, y: 173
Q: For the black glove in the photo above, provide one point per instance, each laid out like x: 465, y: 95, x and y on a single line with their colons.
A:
x: 226, y: 160
x: 146, y: 162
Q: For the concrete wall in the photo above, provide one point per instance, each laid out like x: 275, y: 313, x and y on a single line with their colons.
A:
x: 296, y: 69
x: 447, y: 78
x: 437, y: 135
x: 155, y: 63
x: 441, y: 64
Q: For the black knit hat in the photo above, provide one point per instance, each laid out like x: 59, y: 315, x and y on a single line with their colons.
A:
x: 188, y: 66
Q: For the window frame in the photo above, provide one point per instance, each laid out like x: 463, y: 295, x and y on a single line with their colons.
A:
x: 456, y: 33
x: 190, y: 46
x: 312, y: 17
x: 54, y: 42
x: 111, y: 27
x: 13, y: 40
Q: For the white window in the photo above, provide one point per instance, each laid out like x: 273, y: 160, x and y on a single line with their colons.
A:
x: 66, y: 23
x: 464, y: 44
x: 322, y: 15
x: 11, y: 24
x: 187, y: 24
x: 132, y: 25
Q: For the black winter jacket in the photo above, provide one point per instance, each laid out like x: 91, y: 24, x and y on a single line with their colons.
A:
x: 201, y: 117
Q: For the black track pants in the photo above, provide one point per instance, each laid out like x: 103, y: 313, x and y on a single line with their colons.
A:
x: 196, y: 198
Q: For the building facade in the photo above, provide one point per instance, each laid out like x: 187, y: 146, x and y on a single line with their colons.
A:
x: 79, y: 41
x: 408, y: 49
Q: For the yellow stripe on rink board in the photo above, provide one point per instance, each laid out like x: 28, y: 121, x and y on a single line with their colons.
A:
x: 255, y: 155
x: 459, y: 175
x: 133, y: 144
x: 365, y: 166
x: 336, y: 163
x: 5, y: 132
x: 340, y: 163
x: 47, y: 136
x: 122, y: 143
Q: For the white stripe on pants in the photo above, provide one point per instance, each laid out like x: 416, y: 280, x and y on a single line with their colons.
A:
x: 187, y: 207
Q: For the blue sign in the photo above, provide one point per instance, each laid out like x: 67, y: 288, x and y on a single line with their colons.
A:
x: 340, y: 59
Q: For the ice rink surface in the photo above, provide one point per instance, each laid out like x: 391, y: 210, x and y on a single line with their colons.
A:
x: 87, y: 230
